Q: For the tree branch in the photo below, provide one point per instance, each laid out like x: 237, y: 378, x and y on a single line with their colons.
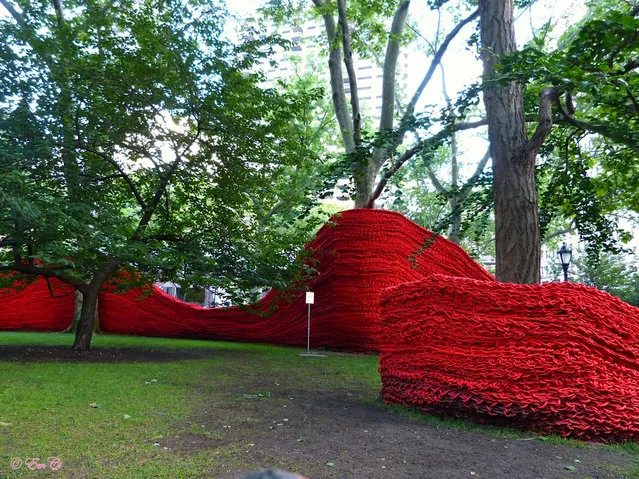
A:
x: 57, y: 5
x: 544, y: 123
x: 399, y: 136
x: 44, y: 272
x: 337, y: 79
x: 378, y: 63
x: 481, y: 165
x: 103, y: 273
x: 161, y: 188
x: 121, y: 172
x: 408, y: 154
x: 632, y: 143
x: 438, y: 57
x: 631, y: 96
x: 350, y: 71
x: 628, y: 67
x: 465, y: 191
x: 570, y: 229
x: 107, y: 7
x: 435, y: 181
x: 17, y: 16
x: 390, y: 66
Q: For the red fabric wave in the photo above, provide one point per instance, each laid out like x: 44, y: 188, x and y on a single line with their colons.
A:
x: 559, y: 357
x: 32, y: 308
x: 358, y: 253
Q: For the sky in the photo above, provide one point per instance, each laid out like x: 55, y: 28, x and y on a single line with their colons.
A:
x: 461, y: 65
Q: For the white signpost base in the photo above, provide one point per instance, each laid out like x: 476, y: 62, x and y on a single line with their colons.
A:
x: 310, y: 299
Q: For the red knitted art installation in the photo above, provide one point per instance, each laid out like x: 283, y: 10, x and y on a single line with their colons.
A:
x: 38, y: 307
x: 357, y: 254
x: 559, y: 357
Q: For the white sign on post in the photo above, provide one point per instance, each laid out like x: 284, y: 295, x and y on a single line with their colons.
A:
x: 310, y: 299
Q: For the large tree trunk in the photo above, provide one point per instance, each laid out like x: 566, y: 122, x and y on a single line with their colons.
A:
x: 88, y: 315
x: 364, y: 180
x: 517, y: 234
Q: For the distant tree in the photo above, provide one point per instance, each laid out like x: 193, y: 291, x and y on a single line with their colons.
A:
x: 609, y: 272
x: 133, y: 140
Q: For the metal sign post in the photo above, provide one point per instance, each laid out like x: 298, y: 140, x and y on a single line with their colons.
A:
x: 310, y: 299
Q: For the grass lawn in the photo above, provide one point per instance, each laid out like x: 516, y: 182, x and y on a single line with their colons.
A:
x: 104, y: 419
x: 190, y: 417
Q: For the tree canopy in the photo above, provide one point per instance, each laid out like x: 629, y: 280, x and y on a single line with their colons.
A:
x: 133, y: 136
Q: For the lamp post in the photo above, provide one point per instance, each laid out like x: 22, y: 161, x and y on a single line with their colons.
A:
x: 565, y: 255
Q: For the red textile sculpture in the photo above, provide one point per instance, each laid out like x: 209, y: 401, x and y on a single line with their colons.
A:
x: 558, y: 357
x: 358, y: 253
x: 34, y: 309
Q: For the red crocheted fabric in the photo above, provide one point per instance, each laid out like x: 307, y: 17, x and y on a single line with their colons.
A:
x: 34, y: 309
x: 358, y: 253
x: 559, y: 357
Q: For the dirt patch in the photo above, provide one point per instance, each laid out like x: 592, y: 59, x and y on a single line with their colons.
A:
x: 351, y: 434
x: 99, y: 355
x: 315, y: 423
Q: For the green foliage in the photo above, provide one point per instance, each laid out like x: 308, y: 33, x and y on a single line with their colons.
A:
x: 609, y: 272
x: 588, y: 170
x: 572, y: 189
x: 135, y: 133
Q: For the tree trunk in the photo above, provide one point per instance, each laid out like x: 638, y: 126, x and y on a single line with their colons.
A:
x: 364, y: 179
x: 89, y: 313
x: 79, y: 297
x: 77, y: 311
x: 88, y: 317
x: 517, y: 234
x: 454, y: 229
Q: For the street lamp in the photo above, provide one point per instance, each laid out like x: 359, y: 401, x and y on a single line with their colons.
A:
x: 565, y: 255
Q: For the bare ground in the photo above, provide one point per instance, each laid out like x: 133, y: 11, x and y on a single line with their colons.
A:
x: 265, y: 418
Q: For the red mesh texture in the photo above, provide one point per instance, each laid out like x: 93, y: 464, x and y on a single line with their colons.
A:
x: 358, y: 253
x: 559, y: 357
x: 33, y: 309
